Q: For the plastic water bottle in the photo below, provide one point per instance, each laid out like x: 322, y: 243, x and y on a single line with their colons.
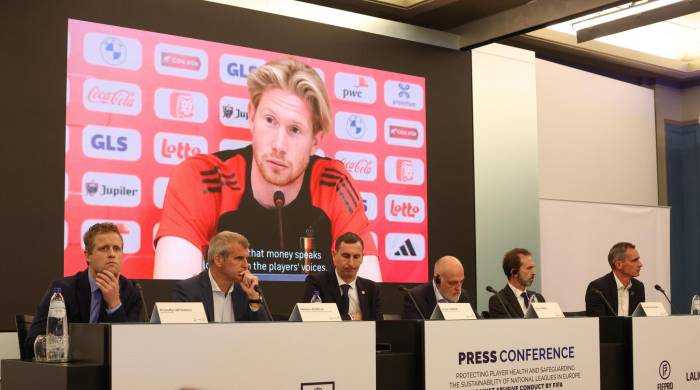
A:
x: 695, y: 305
x: 57, y: 329
x: 316, y: 298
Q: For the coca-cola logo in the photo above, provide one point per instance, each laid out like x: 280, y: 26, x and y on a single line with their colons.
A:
x: 362, y: 166
x: 112, y: 96
x: 118, y: 97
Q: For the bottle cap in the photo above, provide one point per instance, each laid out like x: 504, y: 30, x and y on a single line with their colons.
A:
x: 57, y: 290
x: 316, y: 292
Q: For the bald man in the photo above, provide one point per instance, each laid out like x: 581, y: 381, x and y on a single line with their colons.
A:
x: 446, y: 286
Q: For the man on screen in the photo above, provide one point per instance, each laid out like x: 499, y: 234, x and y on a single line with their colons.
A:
x: 290, y: 203
x: 446, y: 286
x: 357, y: 298
x: 226, y: 288
x: 99, y: 293
x: 520, y: 271
x: 622, y: 291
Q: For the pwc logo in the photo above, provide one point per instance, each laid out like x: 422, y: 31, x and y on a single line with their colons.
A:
x: 355, y: 127
x: 233, y: 112
x: 404, y: 208
x: 112, y: 51
x: 177, y: 105
x: 130, y: 231
x: 171, y: 148
x: 235, y: 69
x: 111, y: 96
x: 369, y: 202
x: 180, y: 61
x: 398, y: 94
x: 404, y: 170
x: 362, y: 166
x: 159, y: 187
x: 111, y: 189
x: 404, y: 247
x: 111, y: 143
x: 355, y: 88
x: 404, y: 133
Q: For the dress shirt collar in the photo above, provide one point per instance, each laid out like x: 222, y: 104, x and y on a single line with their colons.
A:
x: 619, y: 285
x: 438, y: 295
x: 215, y: 287
x: 342, y: 282
x: 518, y: 292
x: 93, y: 283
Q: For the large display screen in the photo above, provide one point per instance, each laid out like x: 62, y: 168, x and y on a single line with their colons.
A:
x: 140, y: 103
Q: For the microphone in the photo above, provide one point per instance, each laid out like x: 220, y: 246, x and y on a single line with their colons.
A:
x: 415, y: 304
x: 498, y: 296
x: 143, y: 302
x: 258, y: 289
x: 596, y: 291
x: 278, y: 198
x: 656, y: 286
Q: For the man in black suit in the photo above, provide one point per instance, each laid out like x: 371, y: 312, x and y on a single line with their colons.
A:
x: 520, y: 271
x: 446, y: 286
x: 357, y: 298
x: 619, y: 287
x: 226, y: 288
x: 99, y: 293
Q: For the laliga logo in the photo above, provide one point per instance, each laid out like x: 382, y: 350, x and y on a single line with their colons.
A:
x: 119, y: 97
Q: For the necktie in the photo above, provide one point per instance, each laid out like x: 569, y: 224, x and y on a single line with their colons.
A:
x: 95, y: 306
x: 344, y: 300
x: 442, y: 300
x: 525, y: 299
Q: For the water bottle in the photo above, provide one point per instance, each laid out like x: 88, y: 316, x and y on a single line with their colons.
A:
x: 316, y: 298
x: 695, y: 305
x: 57, y: 329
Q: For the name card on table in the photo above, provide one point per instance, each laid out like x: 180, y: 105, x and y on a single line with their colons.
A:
x: 544, y: 310
x: 178, y: 313
x: 650, y: 309
x: 453, y: 311
x: 315, y: 312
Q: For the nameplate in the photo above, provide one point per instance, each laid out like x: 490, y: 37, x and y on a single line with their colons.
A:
x: 650, y: 309
x: 315, y: 312
x: 544, y: 310
x: 453, y: 311
x: 178, y: 313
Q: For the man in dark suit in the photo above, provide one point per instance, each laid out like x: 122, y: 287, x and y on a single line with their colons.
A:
x: 520, y: 271
x: 226, y: 288
x: 619, y: 287
x: 357, y: 298
x: 99, y: 293
x: 446, y: 286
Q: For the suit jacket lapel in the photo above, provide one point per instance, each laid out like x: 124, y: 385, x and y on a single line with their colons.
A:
x: 512, y: 302
x: 207, y: 298
x: 363, y: 297
x: 430, y: 301
x: 333, y: 282
x: 612, y: 291
x: 83, y: 295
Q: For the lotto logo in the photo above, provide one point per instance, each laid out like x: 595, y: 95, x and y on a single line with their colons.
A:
x: 235, y: 69
x: 112, y: 51
x: 180, y: 105
x: 404, y: 208
x: 111, y: 189
x: 111, y: 143
x: 369, y: 202
x: 408, y: 96
x: 403, y: 133
x: 233, y: 112
x: 355, y: 127
x: 355, y: 88
x: 171, y: 149
x: 404, y: 170
x: 130, y: 231
x: 180, y: 61
x: 362, y: 166
x: 404, y: 247
x: 111, y: 96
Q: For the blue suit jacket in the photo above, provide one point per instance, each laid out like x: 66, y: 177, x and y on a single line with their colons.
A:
x: 424, y: 294
x: 76, y: 293
x: 198, y: 289
x: 327, y: 285
x: 596, y: 307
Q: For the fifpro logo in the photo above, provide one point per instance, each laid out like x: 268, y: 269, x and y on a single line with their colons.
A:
x: 355, y: 88
x: 399, y: 94
x: 111, y: 96
x: 111, y: 143
x: 111, y: 189
x: 130, y: 231
x: 178, y: 105
x: 362, y: 166
x: 355, y: 127
x: 180, y: 61
x: 404, y: 170
x: 235, y: 69
x: 171, y: 148
x: 404, y: 133
x: 404, y: 208
x: 112, y: 51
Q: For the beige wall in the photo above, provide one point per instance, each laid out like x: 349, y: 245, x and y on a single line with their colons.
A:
x: 667, y: 101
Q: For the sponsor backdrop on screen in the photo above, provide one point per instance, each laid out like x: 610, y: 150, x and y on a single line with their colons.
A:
x: 138, y: 103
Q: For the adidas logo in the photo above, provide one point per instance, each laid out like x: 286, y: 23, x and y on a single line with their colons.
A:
x: 404, y: 247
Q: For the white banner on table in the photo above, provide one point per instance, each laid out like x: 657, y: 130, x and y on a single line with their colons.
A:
x: 665, y: 352
x: 512, y: 354
x: 284, y: 355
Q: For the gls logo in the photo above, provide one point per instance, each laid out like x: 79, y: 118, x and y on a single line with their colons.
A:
x: 369, y: 201
x: 404, y: 247
x: 111, y: 143
x: 235, y: 69
x: 355, y: 88
x: 233, y: 112
x: 111, y: 189
x: 171, y: 149
x: 181, y: 61
x: 112, y: 51
x: 111, y: 96
x: 403, y: 133
x: 177, y: 105
x: 404, y: 170
x: 404, y: 208
x: 355, y: 127
x: 403, y: 95
x: 130, y: 231
x: 361, y: 166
